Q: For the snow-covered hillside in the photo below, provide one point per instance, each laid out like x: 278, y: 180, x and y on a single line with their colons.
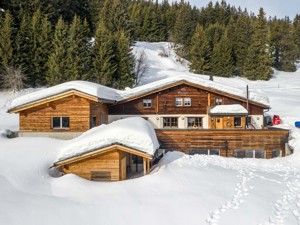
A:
x: 182, y: 189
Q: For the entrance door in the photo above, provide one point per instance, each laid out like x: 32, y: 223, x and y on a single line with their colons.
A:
x: 219, y: 123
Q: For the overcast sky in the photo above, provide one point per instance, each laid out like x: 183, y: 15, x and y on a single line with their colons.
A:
x: 279, y: 8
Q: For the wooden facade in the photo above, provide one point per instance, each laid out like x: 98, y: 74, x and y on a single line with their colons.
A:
x: 186, y: 140
x: 111, y: 163
x: 163, y: 101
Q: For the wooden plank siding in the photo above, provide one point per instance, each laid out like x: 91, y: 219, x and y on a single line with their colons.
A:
x: 100, y: 111
x: 185, y: 140
x: 163, y: 102
x: 39, y: 118
x: 108, y: 163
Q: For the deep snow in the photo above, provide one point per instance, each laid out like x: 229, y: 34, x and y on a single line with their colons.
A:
x: 182, y: 189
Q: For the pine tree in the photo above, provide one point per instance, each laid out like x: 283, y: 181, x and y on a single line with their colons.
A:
x: 200, y: 53
x: 125, y: 76
x: 104, y: 65
x: 222, y: 58
x: 77, y: 61
x: 57, y: 59
x: 257, y: 65
x: 6, y: 49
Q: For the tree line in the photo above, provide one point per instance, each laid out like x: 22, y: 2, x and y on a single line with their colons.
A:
x: 50, y: 42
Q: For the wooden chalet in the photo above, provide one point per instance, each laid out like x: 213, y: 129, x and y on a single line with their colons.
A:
x: 111, y: 153
x: 189, y: 114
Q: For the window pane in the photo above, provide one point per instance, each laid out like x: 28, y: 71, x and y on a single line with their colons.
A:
x: 147, y: 103
x: 56, y: 122
x: 199, y: 152
x: 239, y: 153
x: 237, y: 121
x: 65, y: 122
x: 170, y: 122
x: 248, y: 153
x: 259, y: 154
x: 214, y: 152
x: 187, y: 102
x: 178, y: 102
x: 276, y: 153
x: 194, y: 122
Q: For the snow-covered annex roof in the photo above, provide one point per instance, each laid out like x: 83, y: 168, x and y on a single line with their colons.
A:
x: 134, y: 132
x: 234, y: 109
x: 106, y: 93
x: 92, y: 89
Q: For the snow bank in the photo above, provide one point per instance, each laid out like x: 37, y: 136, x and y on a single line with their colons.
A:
x: 89, y: 88
x: 134, y: 132
x: 229, y: 109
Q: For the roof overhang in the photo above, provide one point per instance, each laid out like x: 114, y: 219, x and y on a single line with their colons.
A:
x: 102, y: 151
x: 58, y: 97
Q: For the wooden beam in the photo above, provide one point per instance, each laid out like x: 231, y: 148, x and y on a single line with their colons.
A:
x: 208, y: 99
x: 148, y: 166
x: 157, y: 103
x: 144, y: 165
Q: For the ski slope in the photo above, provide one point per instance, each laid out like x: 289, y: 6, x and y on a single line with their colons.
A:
x: 182, y: 189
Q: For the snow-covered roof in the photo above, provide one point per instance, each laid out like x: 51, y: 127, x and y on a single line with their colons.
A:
x: 134, y: 132
x: 86, y: 87
x: 197, y: 81
x: 234, y: 109
x: 103, y: 92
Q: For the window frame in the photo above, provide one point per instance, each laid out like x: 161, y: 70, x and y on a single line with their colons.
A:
x: 147, y: 103
x: 170, y: 122
x: 234, y: 121
x: 245, y: 152
x: 60, y: 122
x: 197, y: 127
x: 218, y: 101
x: 178, y: 100
x: 187, y: 100
x: 194, y: 151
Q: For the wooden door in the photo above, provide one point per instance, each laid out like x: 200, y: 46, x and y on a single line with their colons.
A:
x: 219, y: 123
x: 123, y: 168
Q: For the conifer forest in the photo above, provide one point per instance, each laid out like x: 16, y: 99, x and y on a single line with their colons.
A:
x: 46, y: 42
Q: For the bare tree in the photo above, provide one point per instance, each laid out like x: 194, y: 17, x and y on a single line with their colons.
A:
x: 164, y: 52
x: 14, y: 78
x: 141, y: 66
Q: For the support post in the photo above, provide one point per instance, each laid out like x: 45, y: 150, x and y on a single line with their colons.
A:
x: 144, y: 165
x: 130, y: 162
x: 226, y: 148
x: 148, y: 166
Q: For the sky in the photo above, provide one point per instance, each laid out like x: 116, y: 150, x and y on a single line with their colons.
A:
x: 278, y: 8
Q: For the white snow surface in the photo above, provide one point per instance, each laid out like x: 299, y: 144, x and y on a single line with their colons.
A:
x: 134, y: 132
x: 182, y: 189
x: 229, y: 109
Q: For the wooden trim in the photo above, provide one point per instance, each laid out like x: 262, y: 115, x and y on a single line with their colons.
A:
x: 144, y: 166
x: 53, y: 98
x: 103, y: 151
x: 193, y: 85
x: 157, y: 103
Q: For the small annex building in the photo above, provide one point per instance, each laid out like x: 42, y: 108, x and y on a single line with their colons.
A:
x: 109, y: 152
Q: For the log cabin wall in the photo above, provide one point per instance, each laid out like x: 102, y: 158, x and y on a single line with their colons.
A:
x: 104, y: 167
x: 100, y: 111
x: 163, y: 102
x: 186, y: 140
x: 39, y: 118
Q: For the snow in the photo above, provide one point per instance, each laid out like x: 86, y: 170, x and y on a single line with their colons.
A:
x: 229, y: 109
x: 181, y: 189
x: 89, y: 88
x: 134, y: 132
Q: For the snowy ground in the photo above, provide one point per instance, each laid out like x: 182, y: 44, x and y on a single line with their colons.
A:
x: 181, y: 190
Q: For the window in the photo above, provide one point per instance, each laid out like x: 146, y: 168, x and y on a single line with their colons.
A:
x: 237, y: 121
x: 205, y: 152
x: 94, y: 121
x: 60, y: 122
x: 218, y: 101
x: 276, y: 153
x: 170, y: 122
x: 178, y: 101
x: 183, y: 102
x: 194, y: 122
x: 147, y: 103
x: 259, y: 154
x: 187, y: 102
x: 100, y: 175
